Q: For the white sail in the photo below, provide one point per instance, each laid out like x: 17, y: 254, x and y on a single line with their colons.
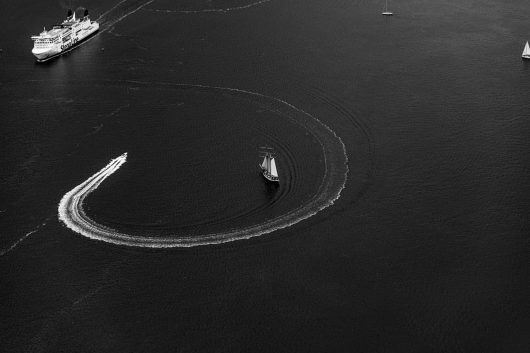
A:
x: 264, y: 163
x: 386, y: 12
x: 526, y: 51
x: 273, y: 170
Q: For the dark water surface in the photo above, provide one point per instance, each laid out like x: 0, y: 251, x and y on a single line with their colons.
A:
x: 426, y: 250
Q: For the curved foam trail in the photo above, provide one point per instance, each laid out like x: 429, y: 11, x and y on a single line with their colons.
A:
x: 228, y: 9
x: 71, y: 211
x: 70, y: 207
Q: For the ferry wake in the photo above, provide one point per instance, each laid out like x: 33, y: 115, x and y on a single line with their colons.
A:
x: 63, y: 37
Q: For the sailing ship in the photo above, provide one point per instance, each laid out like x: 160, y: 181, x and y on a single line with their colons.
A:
x: 386, y: 12
x: 268, y: 168
x: 526, y: 51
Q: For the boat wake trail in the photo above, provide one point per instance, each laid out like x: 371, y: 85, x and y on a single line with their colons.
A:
x: 24, y: 237
x: 71, y: 211
x: 112, y: 16
x: 118, y: 12
x: 220, y: 10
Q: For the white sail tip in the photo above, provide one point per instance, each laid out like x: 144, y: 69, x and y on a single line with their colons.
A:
x: 273, y: 170
x: 526, y: 51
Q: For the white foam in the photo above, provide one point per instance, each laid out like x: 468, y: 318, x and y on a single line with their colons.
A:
x: 71, y: 211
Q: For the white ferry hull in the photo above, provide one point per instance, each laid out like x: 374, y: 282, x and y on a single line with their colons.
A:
x: 53, y: 53
x: 63, y: 38
x: 42, y: 54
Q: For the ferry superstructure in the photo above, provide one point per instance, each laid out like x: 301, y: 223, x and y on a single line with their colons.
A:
x: 63, y: 37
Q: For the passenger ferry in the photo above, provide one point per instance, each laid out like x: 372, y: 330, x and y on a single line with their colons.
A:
x: 63, y: 37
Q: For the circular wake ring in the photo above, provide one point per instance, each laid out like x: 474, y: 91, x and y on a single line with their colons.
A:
x: 71, y: 211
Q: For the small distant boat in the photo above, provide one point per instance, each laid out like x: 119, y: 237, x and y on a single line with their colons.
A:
x: 526, y: 51
x: 268, y: 168
x: 386, y: 12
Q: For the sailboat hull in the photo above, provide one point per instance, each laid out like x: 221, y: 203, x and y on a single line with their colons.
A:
x: 270, y: 177
x: 387, y: 13
x: 527, y: 57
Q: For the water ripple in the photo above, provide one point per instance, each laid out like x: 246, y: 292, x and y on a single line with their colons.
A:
x: 228, y: 9
x: 71, y: 211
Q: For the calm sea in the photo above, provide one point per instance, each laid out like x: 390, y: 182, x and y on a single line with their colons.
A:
x: 426, y: 249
